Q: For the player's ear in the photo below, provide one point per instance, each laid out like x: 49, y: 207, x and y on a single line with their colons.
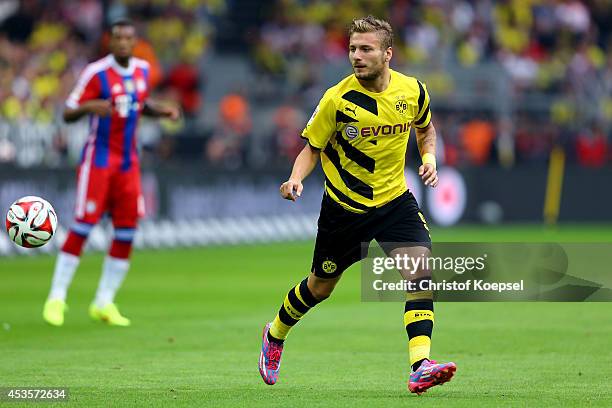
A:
x: 388, y: 54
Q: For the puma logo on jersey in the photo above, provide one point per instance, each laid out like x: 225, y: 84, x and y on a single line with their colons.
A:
x: 353, y: 111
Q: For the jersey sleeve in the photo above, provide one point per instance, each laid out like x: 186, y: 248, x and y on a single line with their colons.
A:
x: 146, y: 68
x: 423, y: 117
x: 322, y: 123
x: 88, y: 87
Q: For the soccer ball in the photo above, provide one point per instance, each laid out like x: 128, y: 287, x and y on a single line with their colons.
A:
x: 31, y: 222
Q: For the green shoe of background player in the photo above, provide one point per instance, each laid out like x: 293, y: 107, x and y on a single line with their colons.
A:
x: 53, y: 312
x: 108, y: 314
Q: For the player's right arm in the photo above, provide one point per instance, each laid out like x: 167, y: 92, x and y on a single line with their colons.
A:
x: 318, y: 131
x: 98, y: 107
x: 85, y: 98
x: 303, y: 166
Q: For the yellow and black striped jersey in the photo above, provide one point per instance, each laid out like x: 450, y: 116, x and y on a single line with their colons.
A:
x: 363, y: 136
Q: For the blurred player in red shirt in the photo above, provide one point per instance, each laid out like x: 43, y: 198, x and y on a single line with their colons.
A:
x: 113, y: 92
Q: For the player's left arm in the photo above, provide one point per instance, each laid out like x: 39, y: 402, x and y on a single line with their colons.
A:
x: 161, y: 110
x: 426, y: 141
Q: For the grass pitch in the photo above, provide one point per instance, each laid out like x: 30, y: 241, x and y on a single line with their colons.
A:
x: 197, y: 318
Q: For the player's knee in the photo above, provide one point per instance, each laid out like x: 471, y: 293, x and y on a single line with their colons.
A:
x: 320, y: 288
x: 321, y: 293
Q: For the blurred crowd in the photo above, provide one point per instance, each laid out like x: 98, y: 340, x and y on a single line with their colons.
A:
x: 558, y: 51
x: 557, y: 45
x: 554, y: 51
x: 44, y: 45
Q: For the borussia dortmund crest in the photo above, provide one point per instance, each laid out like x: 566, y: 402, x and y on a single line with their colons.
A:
x: 329, y: 266
x: 401, y: 106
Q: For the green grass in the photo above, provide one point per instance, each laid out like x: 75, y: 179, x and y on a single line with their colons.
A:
x: 198, y: 314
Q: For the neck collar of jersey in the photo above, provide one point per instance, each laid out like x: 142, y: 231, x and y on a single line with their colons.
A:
x: 124, y: 71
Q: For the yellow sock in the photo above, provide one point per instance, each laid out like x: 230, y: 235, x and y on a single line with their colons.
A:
x: 298, y: 302
x: 418, y: 320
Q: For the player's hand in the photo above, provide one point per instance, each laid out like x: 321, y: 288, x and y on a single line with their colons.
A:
x: 429, y: 174
x: 171, y: 112
x: 291, y: 189
x: 99, y: 107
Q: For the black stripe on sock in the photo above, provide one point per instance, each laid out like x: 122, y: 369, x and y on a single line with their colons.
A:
x: 285, y: 318
x: 274, y: 339
x: 297, y: 303
x: 310, y: 300
x: 416, y: 365
x: 420, y: 328
x: 419, y: 305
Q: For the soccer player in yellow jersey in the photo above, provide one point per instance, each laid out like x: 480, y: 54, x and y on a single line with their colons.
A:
x: 360, y: 131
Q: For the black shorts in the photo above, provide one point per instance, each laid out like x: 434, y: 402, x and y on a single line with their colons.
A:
x: 341, y: 232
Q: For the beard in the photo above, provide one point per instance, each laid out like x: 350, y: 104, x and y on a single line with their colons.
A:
x: 371, y: 74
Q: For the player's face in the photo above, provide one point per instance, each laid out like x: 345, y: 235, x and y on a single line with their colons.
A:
x: 367, y: 56
x: 123, y: 39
